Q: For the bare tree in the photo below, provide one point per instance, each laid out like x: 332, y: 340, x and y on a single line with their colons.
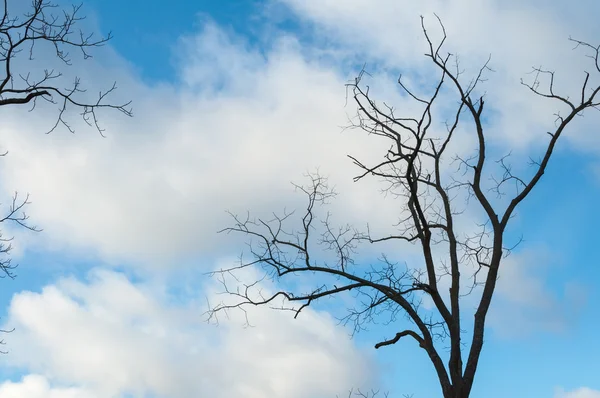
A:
x: 416, y: 170
x: 44, y: 26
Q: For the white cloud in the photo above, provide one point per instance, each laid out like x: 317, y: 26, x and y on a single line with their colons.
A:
x: 517, y: 34
x: 582, y: 392
x: 36, y: 386
x: 158, y: 186
x: 112, y: 337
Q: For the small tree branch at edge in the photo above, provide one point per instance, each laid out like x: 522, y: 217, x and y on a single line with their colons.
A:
x: 44, y: 24
x: 414, y: 171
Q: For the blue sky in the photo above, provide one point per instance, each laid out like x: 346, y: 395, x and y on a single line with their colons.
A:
x: 232, y: 101
x: 148, y: 32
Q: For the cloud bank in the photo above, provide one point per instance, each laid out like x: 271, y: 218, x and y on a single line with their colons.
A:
x: 110, y: 337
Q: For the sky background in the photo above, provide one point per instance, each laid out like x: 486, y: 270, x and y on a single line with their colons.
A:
x: 232, y: 101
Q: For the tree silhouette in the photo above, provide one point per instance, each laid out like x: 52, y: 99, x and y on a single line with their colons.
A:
x: 417, y: 171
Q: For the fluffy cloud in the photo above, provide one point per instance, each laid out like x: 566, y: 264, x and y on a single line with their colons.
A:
x: 112, y: 337
x: 158, y: 186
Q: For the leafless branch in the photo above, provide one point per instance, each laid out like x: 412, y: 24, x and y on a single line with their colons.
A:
x: 42, y: 26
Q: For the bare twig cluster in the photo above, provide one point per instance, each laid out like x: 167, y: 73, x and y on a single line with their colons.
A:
x: 16, y: 214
